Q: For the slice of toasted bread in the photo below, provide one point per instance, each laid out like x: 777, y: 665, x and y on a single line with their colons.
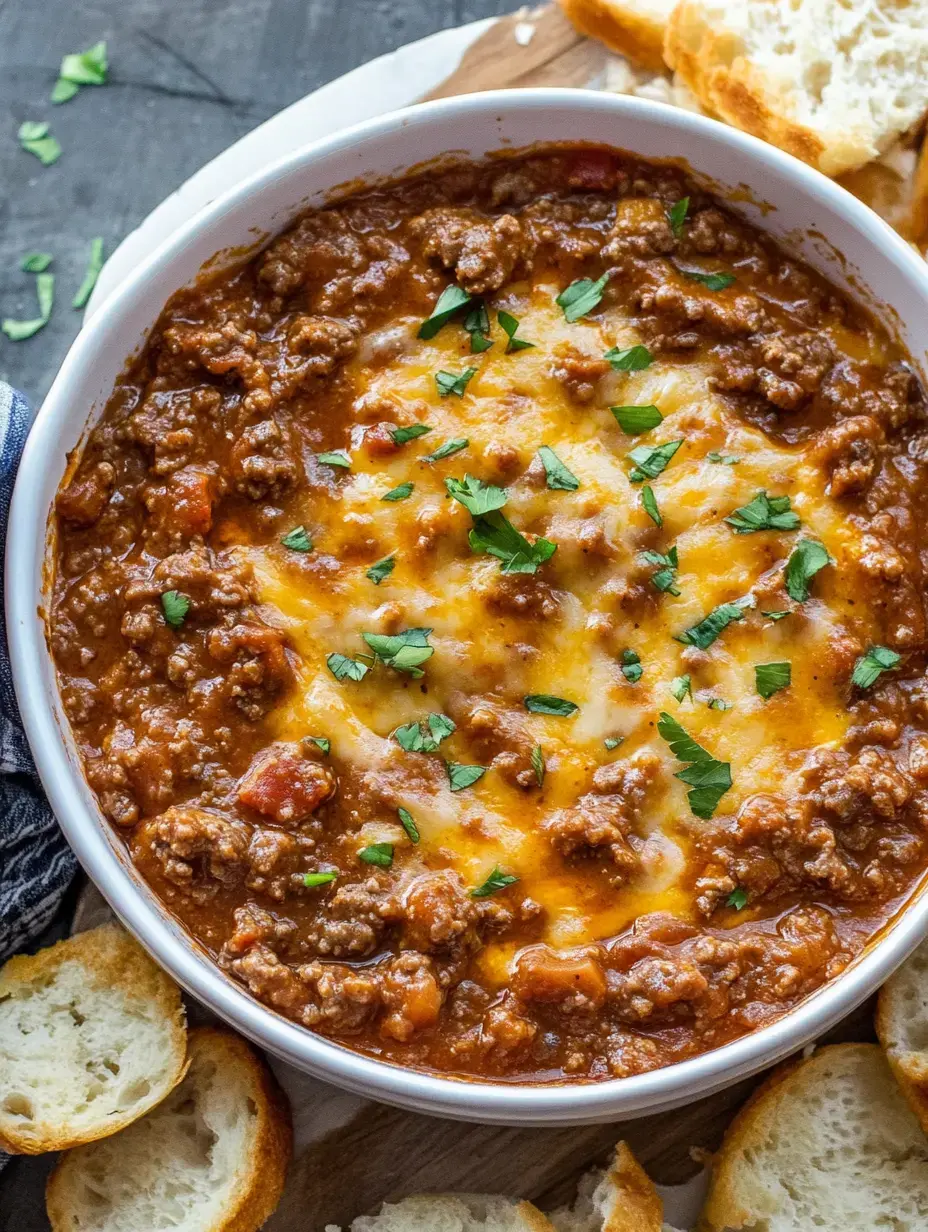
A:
x: 834, y: 84
x: 633, y: 28
x: 888, y: 185
x: 454, y: 1213
x: 92, y: 1035
x: 619, y: 1199
x: 212, y: 1157
x: 902, y: 1025
x: 826, y: 1143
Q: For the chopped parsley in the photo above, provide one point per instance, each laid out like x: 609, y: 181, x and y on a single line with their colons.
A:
x: 477, y: 498
x: 637, y: 419
x: 449, y: 302
x: 770, y: 678
x: 446, y: 450
x: 870, y: 666
x: 497, y: 536
x: 460, y: 776
x: 631, y: 666
x: 381, y: 569
x: 581, y: 297
x: 665, y: 578
x: 538, y: 764
x: 558, y: 476
x: 415, y: 738
x: 453, y: 382
x: 776, y: 615
x: 764, y: 513
x: 406, y: 821
x: 318, y: 879
x: 546, y: 703
x: 723, y: 459
x: 681, y: 687
x: 400, y: 436
x: 336, y: 457
x: 651, y: 460
x: 17, y: 331
x: 509, y: 325
x: 707, y: 778
x: 737, y: 899
x: 175, y: 607
x: 297, y: 540
x: 82, y: 68
x: 497, y: 880
x: 402, y: 651
x: 92, y: 273
x: 629, y: 359
x: 613, y: 742
x: 477, y: 324
x: 36, y: 262
x: 380, y: 854
x: 676, y: 215
x: 718, y: 703
x: 649, y: 504
x: 712, y: 282
x: 343, y: 668
x: 707, y: 630
x: 35, y: 138
x: 400, y: 492
x: 807, y: 558
x: 323, y: 743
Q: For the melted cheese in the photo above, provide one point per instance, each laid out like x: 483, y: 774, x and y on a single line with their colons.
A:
x: 515, y: 401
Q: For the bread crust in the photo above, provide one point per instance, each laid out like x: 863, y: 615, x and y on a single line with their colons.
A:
x: 110, y: 957
x: 909, y: 1068
x: 623, y: 30
x: 636, y: 1205
x: 261, y: 1184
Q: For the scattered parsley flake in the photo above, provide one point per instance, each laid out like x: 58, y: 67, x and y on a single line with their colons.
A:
x: 380, y: 854
x: 808, y: 557
x: 297, y: 540
x: 406, y: 821
x: 634, y: 420
x: 450, y: 300
x: 496, y: 535
x: 681, y: 687
x: 446, y: 450
x: 631, y: 666
x: 581, y: 297
x: 36, y: 262
x: 453, y: 382
x: 343, y: 668
x: 613, y: 742
x: 676, y: 215
x: 497, y: 880
x: 402, y: 651
x: 558, y: 476
x: 318, y: 879
x: 509, y: 325
x: 705, y: 631
x: 94, y: 265
x: 35, y: 138
x: 477, y: 324
x: 538, y: 764
x: 764, y: 512
x: 718, y: 703
x: 665, y: 578
x: 335, y: 457
x: 712, y: 282
x: 460, y: 776
x: 400, y: 492
x: 415, y: 738
x: 649, y: 504
x: 776, y: 615
x: 175, y: 607
x: 737, y: 899
x: 770, y: 678
x: 323, y: 743
x: 17, y: 331
x: 400, y: 436
x: 381, y: 569
x: 477, y: 498
x: 546, y: 703
x: 723, y: 459
x: 870, y: 666
x: 651, y: 460
x: 629, y: 359
x: 82, y: 68
x: 707, y: 778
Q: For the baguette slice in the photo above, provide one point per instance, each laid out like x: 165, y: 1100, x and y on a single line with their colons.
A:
x: 619, y: 1199
x: 902, y: 1025
x: 92, y: 1035
x: 211, y: 1158
x: 834, y: 84
x: 454, y: 1213
x: 827, y: 1143
x: 633, y: 28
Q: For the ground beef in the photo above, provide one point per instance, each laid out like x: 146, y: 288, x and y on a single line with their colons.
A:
x: 482, y: 252
x: 577, y: 371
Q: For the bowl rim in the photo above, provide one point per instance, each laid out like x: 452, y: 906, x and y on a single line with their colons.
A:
x: 449, y: 1095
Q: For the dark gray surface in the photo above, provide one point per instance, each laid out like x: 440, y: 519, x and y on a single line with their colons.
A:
x: 187, y: 78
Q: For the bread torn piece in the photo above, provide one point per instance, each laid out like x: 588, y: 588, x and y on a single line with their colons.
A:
x: 633, y: 28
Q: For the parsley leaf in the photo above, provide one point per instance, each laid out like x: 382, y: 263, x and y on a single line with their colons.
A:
x: 16, y: 331
x: 806, y: 559
x: 681, y: 687
x: 667, y: 565
x: 581, y: 297
x: 737, y: 899
x: 509, y: 325
x: 770, y: 678
x: 446, y: 450
x: 649, y: 504
x: 477, y: 324
x: 460, y: 776
x: 380, y: 854
x: 707, y: 778
x: 402, y: 651
x: 318, y: 879
x: 399, y: 493
x: 453, y: 382
x: 705, y: 632
x: 83, y: 68
x: 343, y: 668
x: 764, y: 513
x: 406, y: 821
x: 559, y: 477
x: 613, y: 742
x: 36, y: 262
x: 723, y: 459
x: 776, y: 615
x: 414, y: 738
x: 636, y: 419
x: 497, y: 536
x: 718, y: 703
x: 94, y: 265
x: 450, y: 300
x: 546, y: 703
x: 538, y: 764
x: 175, y: 607
x: 631, y: 666
x: 297, y: 540
x: 336, y: 457
x: 631, y: 359
x: 476, y: 497
x: 676, y: 215
x: 651, y: 460
x: 870, y: 666
x: 712, y: 282
x: 323, y: 743
x: 381, y: 569
x: 35, y: 138
x: 400, y: 436
x: 497, y: 880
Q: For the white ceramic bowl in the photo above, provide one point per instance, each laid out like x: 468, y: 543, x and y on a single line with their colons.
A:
x: 811, y: 214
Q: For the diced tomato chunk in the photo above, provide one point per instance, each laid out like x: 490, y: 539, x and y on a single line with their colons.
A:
x: 282, y: 784
x: 190, y: 502
x: 542, y: 974
x: 378, y: 442
x: 592, y: 169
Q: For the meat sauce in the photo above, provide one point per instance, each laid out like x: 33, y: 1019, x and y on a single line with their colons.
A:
x: 385, y: 644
